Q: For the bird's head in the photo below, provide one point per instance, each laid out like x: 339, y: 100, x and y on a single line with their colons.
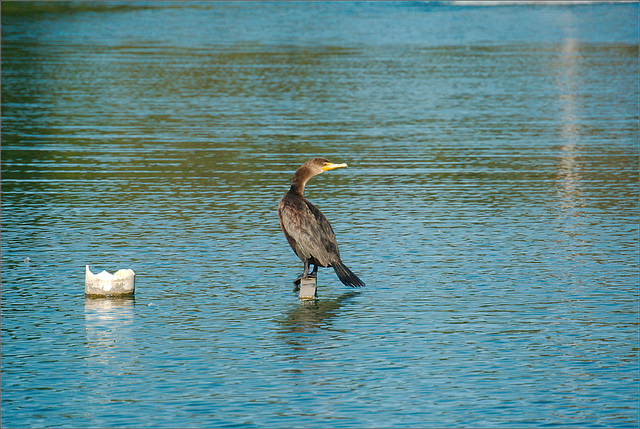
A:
x: 311, y: 168
x: 320, y: 165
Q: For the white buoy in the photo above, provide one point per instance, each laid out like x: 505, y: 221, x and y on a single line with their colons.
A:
x: 307, y: 288
x: 122, y: 283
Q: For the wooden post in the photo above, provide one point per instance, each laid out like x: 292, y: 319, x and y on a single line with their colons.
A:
x: 307, y: 288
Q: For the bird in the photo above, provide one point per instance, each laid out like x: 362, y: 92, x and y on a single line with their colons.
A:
x: 308, y: 231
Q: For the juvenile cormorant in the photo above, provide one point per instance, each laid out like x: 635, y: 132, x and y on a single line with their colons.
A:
x: 307, y: 230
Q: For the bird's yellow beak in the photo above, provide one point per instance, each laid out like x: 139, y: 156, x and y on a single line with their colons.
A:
x: 330, y: 166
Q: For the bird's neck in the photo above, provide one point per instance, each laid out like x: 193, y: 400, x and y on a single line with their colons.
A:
x: 300, y: 179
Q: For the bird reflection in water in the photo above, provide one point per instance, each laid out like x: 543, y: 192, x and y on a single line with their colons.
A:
x: 311, y: 315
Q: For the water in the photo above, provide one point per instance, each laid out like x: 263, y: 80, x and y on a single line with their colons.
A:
x: 490, y: 204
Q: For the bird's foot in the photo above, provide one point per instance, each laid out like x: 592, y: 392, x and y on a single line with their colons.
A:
x: 297, y: 281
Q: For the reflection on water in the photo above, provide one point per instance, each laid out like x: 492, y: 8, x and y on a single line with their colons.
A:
x: 568, y: 87
x: 491, y: 197
x: 311, y: 314
x: 302, y: 331
x: 109, y: 323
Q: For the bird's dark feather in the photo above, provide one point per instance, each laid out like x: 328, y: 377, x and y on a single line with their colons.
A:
x: 307, y: 230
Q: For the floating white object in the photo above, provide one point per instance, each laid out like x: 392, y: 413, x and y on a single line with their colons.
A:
x: 307, y: 288
x: 106, y: 284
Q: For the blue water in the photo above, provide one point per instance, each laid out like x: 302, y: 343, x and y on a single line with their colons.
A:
x: 490, y: 204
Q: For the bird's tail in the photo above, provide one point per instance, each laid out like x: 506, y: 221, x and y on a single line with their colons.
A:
x: 346, y: 276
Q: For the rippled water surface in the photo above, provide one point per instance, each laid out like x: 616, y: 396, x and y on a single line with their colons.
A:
x: 490, y: 204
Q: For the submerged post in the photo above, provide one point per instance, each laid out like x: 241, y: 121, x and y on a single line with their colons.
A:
x: 120, y: 284
x: 307, y: 288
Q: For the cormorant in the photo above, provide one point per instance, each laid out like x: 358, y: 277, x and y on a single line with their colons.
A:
x: 307, y: 230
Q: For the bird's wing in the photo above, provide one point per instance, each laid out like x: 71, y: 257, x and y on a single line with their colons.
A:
x: 311, y: 231
x: 329, y: 242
